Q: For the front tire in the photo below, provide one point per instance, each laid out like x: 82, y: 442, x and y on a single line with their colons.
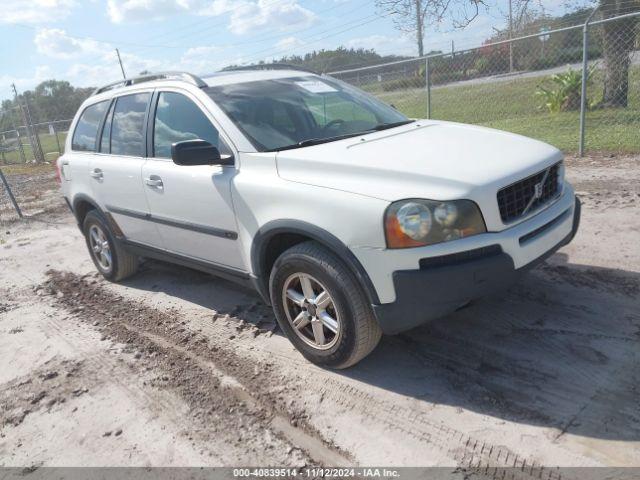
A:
x: 109, y: 257
x: 321, y: 307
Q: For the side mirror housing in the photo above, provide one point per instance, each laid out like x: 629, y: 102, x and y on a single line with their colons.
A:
x: 198, y: 152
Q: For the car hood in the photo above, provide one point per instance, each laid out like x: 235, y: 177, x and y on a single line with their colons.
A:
x: 425, y: 159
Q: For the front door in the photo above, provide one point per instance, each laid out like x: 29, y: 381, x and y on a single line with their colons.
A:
x: 191, y: 205
x: 116, y: 170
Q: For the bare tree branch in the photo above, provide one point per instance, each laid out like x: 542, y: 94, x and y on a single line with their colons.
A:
x: 413, y: 15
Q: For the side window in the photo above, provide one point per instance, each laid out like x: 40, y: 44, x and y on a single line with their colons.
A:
x: 127, y: 128
x: 105, y: 138
x: 178, y: 119
x: 84, y: 136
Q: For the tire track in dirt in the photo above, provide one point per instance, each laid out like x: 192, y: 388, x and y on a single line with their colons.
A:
x: 470, y: 454
x: 206, y: 376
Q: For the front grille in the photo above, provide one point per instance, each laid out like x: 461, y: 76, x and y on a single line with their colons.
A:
x: 520, y: 198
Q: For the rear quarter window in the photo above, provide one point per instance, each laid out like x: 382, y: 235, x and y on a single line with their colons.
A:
x: 84, y: 136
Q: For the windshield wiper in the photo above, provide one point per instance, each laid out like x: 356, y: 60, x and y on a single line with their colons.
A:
x: 385, y: 126
x: 314, y: 141
x: 317, y: 141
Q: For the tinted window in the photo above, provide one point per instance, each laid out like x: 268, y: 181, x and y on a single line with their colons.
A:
x: 179, y: 119
x: 84, y: 136
x: 105, y: 142
x: 127, y: 129
x: 333, y: 108
x: 284, y: 112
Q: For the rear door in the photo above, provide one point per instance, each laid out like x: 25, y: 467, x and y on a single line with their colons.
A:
x: 75, y: 163
x: 191, y: 205
x: 116, y: 170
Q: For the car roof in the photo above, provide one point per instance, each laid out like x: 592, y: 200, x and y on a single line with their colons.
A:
x: 241, y: 75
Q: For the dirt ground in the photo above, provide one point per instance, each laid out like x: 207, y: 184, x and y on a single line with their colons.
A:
x: 176, y: 368
x: 34, y: 188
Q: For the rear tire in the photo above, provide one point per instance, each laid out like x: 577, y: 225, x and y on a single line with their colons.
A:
x: 108, y: 255
x: 321, y: 307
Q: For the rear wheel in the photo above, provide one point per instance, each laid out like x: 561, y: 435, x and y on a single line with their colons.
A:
x: 321, y: 307
x: 109, y: 257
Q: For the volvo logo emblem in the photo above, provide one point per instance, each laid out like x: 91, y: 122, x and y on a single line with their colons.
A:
x: 537, y: 190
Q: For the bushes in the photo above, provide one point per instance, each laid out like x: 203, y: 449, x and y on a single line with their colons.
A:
x: 564, y: 95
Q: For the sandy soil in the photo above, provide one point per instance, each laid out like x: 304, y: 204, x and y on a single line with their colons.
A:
x: 173, y: 367
x: 34, y: 188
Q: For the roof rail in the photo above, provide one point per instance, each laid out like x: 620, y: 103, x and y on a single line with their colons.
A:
x: 273, y: 66
x: 182, y: 76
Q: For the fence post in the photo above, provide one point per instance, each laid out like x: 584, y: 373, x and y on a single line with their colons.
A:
x: 20, y: 146
x: 11, y: 197
x: 585, y: 76
x: 55, y: 132
x: 34, y: 140
x: 427, y: 77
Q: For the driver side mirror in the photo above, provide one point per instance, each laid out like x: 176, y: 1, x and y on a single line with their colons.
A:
x: 198, y: 152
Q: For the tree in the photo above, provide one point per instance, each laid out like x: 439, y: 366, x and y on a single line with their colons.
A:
x: 50, y: 100
x: 328, y: 60
x: 412, y: 15
x: 618, y: 39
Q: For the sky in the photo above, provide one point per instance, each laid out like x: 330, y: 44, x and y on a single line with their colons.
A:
x: 75, y: 40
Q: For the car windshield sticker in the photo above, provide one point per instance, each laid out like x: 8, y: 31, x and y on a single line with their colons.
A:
x: 316, y: 86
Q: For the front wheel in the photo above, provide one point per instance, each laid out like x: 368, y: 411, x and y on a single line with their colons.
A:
x: 321, y: 307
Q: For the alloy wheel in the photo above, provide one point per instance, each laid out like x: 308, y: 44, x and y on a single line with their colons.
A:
x: 311, y: 311
x: 100, y: 248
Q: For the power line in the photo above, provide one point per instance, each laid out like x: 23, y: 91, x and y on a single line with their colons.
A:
x: 268, y: 37
x: 372, y: 17
x: 306, y: 43
x: 172, y: 31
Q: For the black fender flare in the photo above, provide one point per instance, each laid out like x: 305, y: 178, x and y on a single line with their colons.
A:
x: 330, y: 241
x: 81, y: 197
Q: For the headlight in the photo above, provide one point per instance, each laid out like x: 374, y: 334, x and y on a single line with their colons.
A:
x: 415, y: 223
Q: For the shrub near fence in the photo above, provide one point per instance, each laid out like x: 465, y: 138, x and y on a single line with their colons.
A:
x: 476, y: 86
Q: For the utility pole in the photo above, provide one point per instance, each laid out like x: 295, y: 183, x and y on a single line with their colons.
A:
x: 36, y: 148
x: 120, y: 61
x: 510, y: 36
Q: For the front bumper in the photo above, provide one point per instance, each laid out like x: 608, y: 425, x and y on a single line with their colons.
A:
x: 445, y: 283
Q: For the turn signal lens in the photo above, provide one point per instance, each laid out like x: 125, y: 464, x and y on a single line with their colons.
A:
x: 416, y: 222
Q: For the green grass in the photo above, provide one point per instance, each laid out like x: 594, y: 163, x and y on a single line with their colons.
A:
x: 31, y: 169
x: 513, y: 106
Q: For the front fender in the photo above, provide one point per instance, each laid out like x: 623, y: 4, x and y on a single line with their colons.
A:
x: 325, y: 238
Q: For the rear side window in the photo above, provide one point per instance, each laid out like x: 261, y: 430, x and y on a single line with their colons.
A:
x: 84, y: 136
x: 179, y: 119
x: 127, y: 128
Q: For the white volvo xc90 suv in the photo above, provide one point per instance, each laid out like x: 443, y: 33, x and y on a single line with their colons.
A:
x: 350, y: 219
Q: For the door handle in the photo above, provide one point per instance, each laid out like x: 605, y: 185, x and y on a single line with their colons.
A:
x: 97, y: 174
x: 154, y: 181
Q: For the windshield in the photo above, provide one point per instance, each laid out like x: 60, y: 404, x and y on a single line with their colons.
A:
x: 300, y: 111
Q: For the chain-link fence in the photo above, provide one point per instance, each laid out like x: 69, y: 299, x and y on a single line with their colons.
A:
x: 16, y: 144
x: 530, y: 85
x: 27, y: 172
